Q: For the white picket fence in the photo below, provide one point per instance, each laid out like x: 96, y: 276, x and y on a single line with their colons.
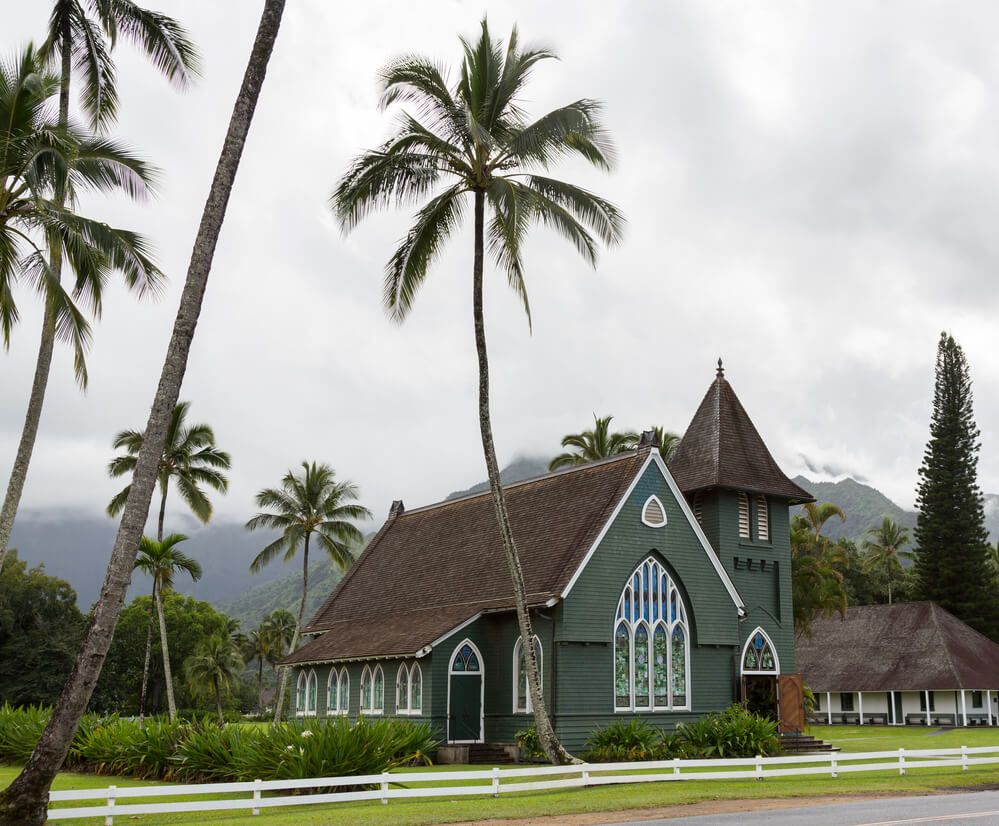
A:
x: 409, y: 785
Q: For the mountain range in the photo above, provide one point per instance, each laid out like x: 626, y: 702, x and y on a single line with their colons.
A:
x: 75, y: 547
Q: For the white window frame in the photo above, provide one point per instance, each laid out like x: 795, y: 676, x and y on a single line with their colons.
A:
x: 662, y: 508
x: 482, y: 693
x: 518, y: 646
x: 402, y: 672
x: 301, y: 693
x: 340, y: 678
x: 773, y: 650
x: 414, y: 671
x: 368, y: 703
x: 311, y: 699
x: 654, y: 570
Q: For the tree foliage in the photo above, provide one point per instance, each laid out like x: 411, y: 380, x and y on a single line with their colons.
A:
x: 817, y: 567
x: 952, y: 540
x: 600, y: 442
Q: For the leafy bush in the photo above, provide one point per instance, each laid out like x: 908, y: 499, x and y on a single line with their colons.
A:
x: 530, y: 745
x: 20, y: 729
x: 734, y: 732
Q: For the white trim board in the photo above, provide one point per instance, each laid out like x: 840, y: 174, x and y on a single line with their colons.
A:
x: 655, y: 458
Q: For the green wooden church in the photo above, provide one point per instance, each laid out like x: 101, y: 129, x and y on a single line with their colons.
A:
x: 656, y: 591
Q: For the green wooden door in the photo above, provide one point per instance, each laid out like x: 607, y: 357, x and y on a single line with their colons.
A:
x: 465, y: 718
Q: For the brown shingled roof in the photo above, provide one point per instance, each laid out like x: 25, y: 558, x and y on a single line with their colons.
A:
x: 915, y: 646
x: 430, y: 569
x: 722, y: 449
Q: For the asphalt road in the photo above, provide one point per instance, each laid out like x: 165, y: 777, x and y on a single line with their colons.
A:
x: 972, y: 808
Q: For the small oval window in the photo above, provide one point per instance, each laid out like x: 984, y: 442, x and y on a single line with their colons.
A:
x: 654, y: 514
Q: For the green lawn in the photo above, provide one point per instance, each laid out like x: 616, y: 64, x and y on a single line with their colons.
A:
x: 612, y: 798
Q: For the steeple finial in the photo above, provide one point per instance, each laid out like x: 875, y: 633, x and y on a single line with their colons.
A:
x: 721, y: 370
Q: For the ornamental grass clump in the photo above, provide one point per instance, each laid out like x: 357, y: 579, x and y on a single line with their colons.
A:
x: 20, y: 729
x: 121, y: 747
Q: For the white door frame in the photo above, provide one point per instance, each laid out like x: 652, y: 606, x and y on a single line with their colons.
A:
x: 481, y: 674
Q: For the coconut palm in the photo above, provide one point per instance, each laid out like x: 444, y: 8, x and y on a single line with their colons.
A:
x: 81, y: 36
x: 312, y: 503
x: 591, y: 445
x: 25, y: 801
x: 817, y: 564
x: 213, y: 669
x: 190, y: 459
x: 258, y: 646
x: 886, y: 546
x: 161, y: 561
x: 816, y: 514
x: 279, y: 626
x: 471, y: 144
x: 45, y: 164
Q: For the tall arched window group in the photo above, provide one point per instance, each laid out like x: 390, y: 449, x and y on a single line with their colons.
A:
x: 522, y: 702
x: 651, y: 643
x: 307, y: 694
x: 338, y: 692
x: 409, y: 689
x: 372, y: 690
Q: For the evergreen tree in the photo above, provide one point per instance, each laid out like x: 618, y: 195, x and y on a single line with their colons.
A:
x: 951, y: 566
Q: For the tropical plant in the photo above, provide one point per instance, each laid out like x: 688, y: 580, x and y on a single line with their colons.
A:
x: 473, y: 139
x: 161, y: 561
x: 190, y: 459
x: 817, y: 580
x: 258, y: 646
x: 214, y: 668
x: 734, y: 732
x: 816, y: 514
x: 886, y: 547
x: 590, y: 445
x: 45, y: 162
x: 311, y: 503
x: 280, y: 627
x: 24, y: 802
x: 667, y: 440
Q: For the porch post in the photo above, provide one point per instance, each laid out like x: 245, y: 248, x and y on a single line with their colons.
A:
x: 926, y: 696
x: 860, y: 706
x: 891, y: 707
x: 988, y: 705
x: 829, y: 706
x: 964, y: 710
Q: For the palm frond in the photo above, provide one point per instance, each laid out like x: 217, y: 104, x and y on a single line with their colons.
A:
x: 165, y: 42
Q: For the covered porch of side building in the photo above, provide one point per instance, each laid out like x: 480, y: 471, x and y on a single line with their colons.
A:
x: 928, y: 707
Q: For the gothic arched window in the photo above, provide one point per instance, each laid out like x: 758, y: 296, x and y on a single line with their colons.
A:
x: 651, y: 643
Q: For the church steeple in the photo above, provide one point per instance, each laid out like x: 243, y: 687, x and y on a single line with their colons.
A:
x: 723, y: 449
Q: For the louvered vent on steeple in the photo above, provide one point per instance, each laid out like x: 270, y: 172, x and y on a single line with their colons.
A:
x: 654, y: 514
x: 698, y: 508
x: 744, y: 516
x: 762, y: 519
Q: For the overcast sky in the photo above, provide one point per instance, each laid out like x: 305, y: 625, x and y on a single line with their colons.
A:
x: 812, y: 192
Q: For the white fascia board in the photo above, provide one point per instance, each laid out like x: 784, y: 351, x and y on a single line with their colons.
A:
x: 454, y: 630
x: 655, y: 458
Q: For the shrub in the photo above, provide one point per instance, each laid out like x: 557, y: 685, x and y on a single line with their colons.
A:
x: 20, y: 729
x: 530, y: 746
x: 734, y: 732
x: 625, y: 741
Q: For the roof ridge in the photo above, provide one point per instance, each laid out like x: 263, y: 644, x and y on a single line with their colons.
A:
x: 943, y: 643
x: 631, y: 454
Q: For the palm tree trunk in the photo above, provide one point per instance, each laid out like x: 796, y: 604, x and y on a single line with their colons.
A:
x: 218, y: 700
x: 889, y: 579
x: 285, y: 673
x: 149, y: 652
x: 260, y: 685
x: 550, y: 744
x: 43, y: 365
x: 25, y: 801
x: 167, y: 673
x: 159, y: 524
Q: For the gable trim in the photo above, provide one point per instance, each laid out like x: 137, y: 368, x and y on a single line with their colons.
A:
x: 655, y: 458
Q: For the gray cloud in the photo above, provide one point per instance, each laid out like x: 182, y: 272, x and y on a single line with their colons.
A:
x: 811, y: 193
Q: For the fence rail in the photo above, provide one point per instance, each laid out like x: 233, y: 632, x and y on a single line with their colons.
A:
x: 410, y: 785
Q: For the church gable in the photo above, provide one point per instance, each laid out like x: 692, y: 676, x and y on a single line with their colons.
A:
x: 677, y: 544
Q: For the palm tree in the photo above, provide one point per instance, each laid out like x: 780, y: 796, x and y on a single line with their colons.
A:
x: 817, y: 580
x: 24, y: 802
x: 279, y: 626
x: 887, y: 546
x: 312, y: 503
x: 161, y: 561
x: 84, y: 41
x: 595, y: 444
x: 667, y: 440
x: 215, y: 665
x: 473, y: 139
x: 190, y: 458
x: 816, y: 514
x: 258, y: 646
x: 44, y: 164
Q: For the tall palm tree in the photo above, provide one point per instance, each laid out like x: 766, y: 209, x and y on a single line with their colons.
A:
x: 24, y: 802
x: 886, y: 546
x: 215, y: 664
x: 279, y: 626
x: 816, y: 514
x: 591, y: 445
x: 162, y: 561
x: 190, y: 458
x: 311, y: 503
x: 817, y: 564
x: 471, y: 141
x: 258, y: 646
x: 81, y: 36
x: 43, y: 165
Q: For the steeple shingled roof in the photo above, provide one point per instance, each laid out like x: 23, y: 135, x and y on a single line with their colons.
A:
x: 723, y: 449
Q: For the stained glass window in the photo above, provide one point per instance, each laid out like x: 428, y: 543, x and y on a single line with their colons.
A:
x: 343, y: 691
x: 300, y: 697
x: 313, y: 696
x: 416, y: 689
x: 332, y: 693
x: 646, y: 648
x: 379, y: 690
x: 402, y: 690
x: 366, y: 689
x: 465, y: 660
x: 679, y: 663
x: 759, y: 654
x: 622, y: 667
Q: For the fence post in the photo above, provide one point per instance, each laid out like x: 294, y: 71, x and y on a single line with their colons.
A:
x: 759, y: 767
x: 586, y: 774
x: 676, y: 767
x: 901, y: 761
x: 495, y: 782
x: 832, y: 765
x: 109, y: 819
x: 385, y: 788
x: 964, y: 758
x: 256, y: 795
